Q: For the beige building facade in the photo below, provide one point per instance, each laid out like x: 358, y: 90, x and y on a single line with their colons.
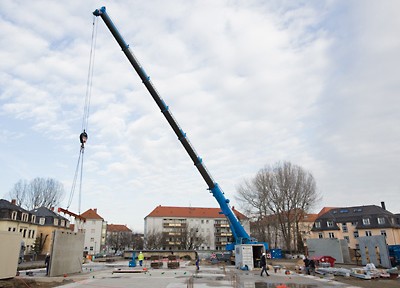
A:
x: 350, y: 223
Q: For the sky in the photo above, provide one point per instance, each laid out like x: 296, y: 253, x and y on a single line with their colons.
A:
x: 252, y: 83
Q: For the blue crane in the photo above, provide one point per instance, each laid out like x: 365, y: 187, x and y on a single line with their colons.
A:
x: 239, y: 234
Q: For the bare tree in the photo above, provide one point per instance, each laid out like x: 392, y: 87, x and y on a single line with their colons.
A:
x: 20, y: 192
x: 284, y: 190
x: 39, y: 192
x: 153, y: 240
x: 137, y: 241
x: 191, y: 238
x: 119, y: 241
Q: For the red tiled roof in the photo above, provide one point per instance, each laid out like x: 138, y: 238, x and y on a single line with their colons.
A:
x: 92, y: 214
x: 309, y: 218
x: 117, y: 228
x: 190, y: 212
x: 325, y: 210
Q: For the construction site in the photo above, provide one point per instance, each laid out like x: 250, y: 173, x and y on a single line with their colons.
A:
x: 183, y: 273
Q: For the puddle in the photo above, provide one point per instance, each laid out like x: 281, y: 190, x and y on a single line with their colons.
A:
x: 286, y: 285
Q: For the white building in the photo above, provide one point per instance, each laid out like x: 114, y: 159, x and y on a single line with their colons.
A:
x: 95, y: 229
x: 207, y: 223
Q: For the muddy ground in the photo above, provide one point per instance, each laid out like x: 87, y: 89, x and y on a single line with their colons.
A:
x: 18, y: 282
x: 373, y: 283
x: 23, y: 282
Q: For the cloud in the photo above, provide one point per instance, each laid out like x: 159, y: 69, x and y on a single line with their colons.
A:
x: 250, y: 83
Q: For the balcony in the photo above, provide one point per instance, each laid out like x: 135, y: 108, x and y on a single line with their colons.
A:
x: 172, y: 233
x: 174, y: 225
x: 223, y: 234
x: 221, y: 225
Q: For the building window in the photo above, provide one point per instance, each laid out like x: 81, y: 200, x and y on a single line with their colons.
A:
x: 320, y: 235
x: 366, y: 221
x: 331, y: 235
x: 383, y: 232
x: 344, y: 228
x: 329, y: 223
x: 91, y: 248
x: 9, y: 229
x: 55, y: 222
x: 355, y: 233
x: 42, y: 221
x: 14, y: 215
x: 62, y: 223
x: 33, y: 218
x: 347, y: 238
x: 24, y: 217
x: 92, y: 239
x: 317, y: 224
x: 33, y: 233
x: 381, y: 220
x: 368, y: 233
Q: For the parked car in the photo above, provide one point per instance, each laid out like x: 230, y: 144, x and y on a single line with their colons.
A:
x: 99, y: 255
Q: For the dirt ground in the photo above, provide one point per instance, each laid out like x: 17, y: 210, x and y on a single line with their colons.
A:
x: 18, y: 282
x: 32, y: 283
x: 373, y: 283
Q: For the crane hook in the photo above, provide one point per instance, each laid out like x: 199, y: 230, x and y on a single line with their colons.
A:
x: 83, y: 138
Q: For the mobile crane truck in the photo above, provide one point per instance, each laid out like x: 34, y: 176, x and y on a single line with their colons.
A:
x: 247, y: 250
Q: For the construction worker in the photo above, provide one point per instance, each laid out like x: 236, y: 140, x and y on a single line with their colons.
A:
x: 263, y: 264
x: 140, y: 258
x: 47, y: 263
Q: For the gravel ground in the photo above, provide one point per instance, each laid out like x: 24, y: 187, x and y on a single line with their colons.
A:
x: 373, y: 283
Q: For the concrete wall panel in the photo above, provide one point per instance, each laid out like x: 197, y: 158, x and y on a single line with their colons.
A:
x: 326, y: 247
x: 67, y: 253
x: 9, y: 253
x: 374, y: 249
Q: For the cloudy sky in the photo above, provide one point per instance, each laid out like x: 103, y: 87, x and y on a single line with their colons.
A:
x: 251, y: 82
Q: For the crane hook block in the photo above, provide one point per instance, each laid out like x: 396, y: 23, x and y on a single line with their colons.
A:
x: 83, y: 137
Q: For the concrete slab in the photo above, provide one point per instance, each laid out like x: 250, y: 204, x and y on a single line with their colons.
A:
x: 105, y: 276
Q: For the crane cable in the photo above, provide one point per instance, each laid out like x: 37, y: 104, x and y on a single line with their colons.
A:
x: 85, y: 120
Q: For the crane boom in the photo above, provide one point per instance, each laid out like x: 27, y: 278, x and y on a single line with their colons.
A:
x: 239, y: 233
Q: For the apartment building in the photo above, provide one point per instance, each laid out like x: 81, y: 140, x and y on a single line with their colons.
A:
x: 118, y: 237
x: 15, y: 219
x: 208, y: 226
x: 47, y: 222
x: 269, y: 229
x: 95, y: 229
x: 349, y: 223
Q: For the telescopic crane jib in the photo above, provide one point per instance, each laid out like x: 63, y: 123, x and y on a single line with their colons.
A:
x: 239, y: 233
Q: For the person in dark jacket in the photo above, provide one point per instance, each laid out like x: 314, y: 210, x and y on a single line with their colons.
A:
x: 263, y: 264
x: 197, y: 262
x: 306, y: 265
x: 311, y: 269
x: 47, y: 263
